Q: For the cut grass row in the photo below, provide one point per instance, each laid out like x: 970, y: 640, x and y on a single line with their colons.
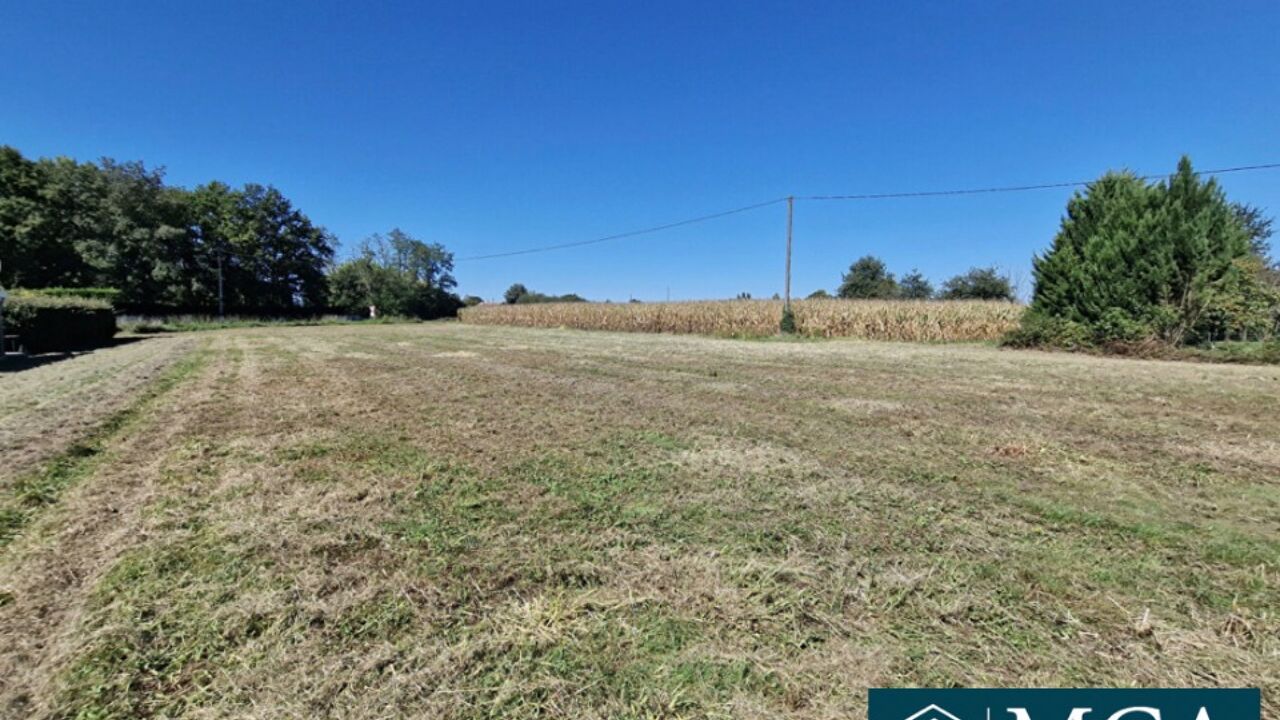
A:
x: 35, y: 490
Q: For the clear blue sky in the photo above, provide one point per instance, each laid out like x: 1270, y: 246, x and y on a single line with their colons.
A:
x: 495, y: 126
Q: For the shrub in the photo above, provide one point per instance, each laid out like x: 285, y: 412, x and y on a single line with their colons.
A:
x: 49, y: 324
x: 1038, y: 329
x: 105, y: 294
x: 1117, y: 326
x: 788, y: 324
x: 1241, y: 305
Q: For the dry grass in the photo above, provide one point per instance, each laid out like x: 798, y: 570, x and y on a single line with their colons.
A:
x: 462, y: 522
x: 947, y: 321
x: 43, y: 410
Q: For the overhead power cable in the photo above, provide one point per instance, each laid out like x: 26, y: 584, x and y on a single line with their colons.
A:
x: 864, y: 196
x: 1016, y: 188
x: 632, y: 233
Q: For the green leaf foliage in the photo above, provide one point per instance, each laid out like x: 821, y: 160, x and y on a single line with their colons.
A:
x: 868, y: 278
x: 788, y: 324
x: 399, y: 275
x: 518, y: 294
x: 979, y: 284
x: 1138, y: 261
x: 69, y: 224
x: 49, y: 324
x: 915, y: 286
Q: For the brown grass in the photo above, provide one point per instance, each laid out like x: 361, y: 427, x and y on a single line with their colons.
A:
x: 454, y: 521
x: 919, y: 321
x: 43, y: 410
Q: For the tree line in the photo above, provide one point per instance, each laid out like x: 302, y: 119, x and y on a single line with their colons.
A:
x: 518, y: 294
x: 167, y: 249
x: 869, y: 278
x: 65, y: 223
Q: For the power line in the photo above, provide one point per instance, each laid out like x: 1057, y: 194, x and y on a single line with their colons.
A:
x: 1016, y: 188
x: 632, y: 233
x: 864, y: 196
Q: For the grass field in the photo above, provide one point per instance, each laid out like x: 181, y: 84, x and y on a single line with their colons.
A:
x: 911, y: 320
x: 455, y: 521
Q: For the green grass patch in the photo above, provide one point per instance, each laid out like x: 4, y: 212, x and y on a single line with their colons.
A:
x: 163, y: 631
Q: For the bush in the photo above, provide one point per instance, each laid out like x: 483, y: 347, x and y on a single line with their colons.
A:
x: 1242, y: 305
x: 1116, y: 326
x: 1038, y: 329
x: 788, y: 324
x: 107, y: 295
x: 50, y: 324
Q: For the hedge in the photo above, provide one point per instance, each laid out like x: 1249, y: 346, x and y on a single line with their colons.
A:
x: 105, y: 294
x: 50, y: 324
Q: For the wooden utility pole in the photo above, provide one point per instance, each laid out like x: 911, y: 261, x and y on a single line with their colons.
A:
x: 221, y: 313
x: 787, y: 287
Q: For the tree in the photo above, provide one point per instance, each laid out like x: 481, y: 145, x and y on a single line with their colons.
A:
x: 514, y: 293
x: 472, y: 301
x: 117, y: 224
x: 53, y: 219
x: 148, y: 233
x: 1258, y: 226
x: 978, y: 284
x: 399, y: 275
x: 289, y: 254
x: 819, y: 293
x: 1137, y: 260
x: 531, y: 297
x: 868, y: 278
x: 218, y: 277
x: 915, y: 286
x: 34, y: 250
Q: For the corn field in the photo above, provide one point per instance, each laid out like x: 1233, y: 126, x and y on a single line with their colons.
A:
x: 909, y: 320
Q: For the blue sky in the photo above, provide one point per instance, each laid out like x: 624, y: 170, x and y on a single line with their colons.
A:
x: 494, y: 126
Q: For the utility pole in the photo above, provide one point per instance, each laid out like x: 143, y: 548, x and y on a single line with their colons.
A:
x: 3, y: 295
x: 221, y: 310
x: 787, y: 287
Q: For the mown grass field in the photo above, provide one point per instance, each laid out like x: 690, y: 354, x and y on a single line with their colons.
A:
x: 454, y: 521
